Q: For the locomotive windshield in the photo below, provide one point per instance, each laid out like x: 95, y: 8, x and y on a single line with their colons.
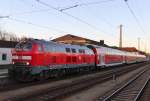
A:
x: 26, y: 46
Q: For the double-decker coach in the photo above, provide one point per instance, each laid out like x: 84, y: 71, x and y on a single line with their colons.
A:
x: 108, y: 56
x: 133, y: 57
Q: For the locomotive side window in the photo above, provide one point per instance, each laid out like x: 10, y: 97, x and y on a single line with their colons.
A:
x: 73, y: 50
x: 81, y: 51
x: 68, y: 50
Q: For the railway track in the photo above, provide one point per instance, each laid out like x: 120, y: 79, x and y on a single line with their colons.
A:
x: 132, y: 90
x: 7, y: 84
x: 144, y: 95
x: 66, y: 89
x: 3, y: 74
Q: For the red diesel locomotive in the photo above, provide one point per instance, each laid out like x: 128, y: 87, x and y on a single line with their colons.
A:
x: 39, y: 59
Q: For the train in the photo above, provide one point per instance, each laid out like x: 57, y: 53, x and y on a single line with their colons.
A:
x: 39, y: 59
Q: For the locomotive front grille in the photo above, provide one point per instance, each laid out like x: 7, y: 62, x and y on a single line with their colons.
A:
x: 20, y: 64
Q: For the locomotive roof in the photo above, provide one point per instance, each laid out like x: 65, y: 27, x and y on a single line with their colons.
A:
x: 57, y: 44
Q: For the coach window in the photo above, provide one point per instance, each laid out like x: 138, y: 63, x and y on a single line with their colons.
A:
x: 4, y: 57
x: 68, y: 50
x: 73, y: 50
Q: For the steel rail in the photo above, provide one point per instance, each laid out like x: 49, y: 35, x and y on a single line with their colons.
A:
x: 125, y: 85
x: 63, y: 90
x: 142, y: 90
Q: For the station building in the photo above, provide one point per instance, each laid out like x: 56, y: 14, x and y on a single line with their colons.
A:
x: 72, y: 39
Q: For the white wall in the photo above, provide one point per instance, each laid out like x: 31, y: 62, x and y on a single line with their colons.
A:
x: 8, y: 56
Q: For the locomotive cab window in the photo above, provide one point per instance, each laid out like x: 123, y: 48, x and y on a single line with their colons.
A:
x: 4, y: 57
x: 73, y: 50
x: 68, y: 50
x: 27, y: 46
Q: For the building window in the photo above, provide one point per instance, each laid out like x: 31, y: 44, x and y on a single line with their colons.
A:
x: 4, y: 57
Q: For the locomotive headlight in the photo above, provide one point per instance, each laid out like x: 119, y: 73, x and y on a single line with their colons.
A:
x: 27, y: 63
x: 13, y: 63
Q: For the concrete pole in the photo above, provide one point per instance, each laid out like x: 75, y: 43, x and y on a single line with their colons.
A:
x: 139, y: 43
x: 120, y: 39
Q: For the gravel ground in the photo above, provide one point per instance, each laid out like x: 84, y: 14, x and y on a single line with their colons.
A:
x: 98, y: 90
x: 3, y: 73
x: 33, y: 89
x: 4, y: 66
x: 36, y: 88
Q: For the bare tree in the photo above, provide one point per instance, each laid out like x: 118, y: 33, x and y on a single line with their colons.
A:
x: 13, y: 37
x: 8, y: 36
x: 2, y: 35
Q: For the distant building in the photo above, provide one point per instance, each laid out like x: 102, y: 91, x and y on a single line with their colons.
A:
x: 129, y: 49
x: 5, y: 51
x: 72, y: 39
x: 132, y: 49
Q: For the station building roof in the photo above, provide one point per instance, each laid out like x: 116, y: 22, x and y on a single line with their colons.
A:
x: 129, y: 49
x: 7, y: 44
x: 72, y: 39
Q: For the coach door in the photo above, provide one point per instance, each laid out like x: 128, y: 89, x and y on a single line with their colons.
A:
x: 102, y: 59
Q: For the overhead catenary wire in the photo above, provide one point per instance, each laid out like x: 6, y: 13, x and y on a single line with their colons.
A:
x: 95, y: 2
x: 85, y: 4
x: 37, y: 25
x: 61, y: 9
x: 69, y: 15
x: 29, y: 12
x: 135, y: 17
x: 73, y: 1
x: 2, y: 17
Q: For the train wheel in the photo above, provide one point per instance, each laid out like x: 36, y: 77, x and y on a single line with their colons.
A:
x: 25, y: 78
x: 44, y: 75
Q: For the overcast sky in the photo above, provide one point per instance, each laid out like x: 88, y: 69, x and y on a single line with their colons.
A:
x: 94, y: 19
